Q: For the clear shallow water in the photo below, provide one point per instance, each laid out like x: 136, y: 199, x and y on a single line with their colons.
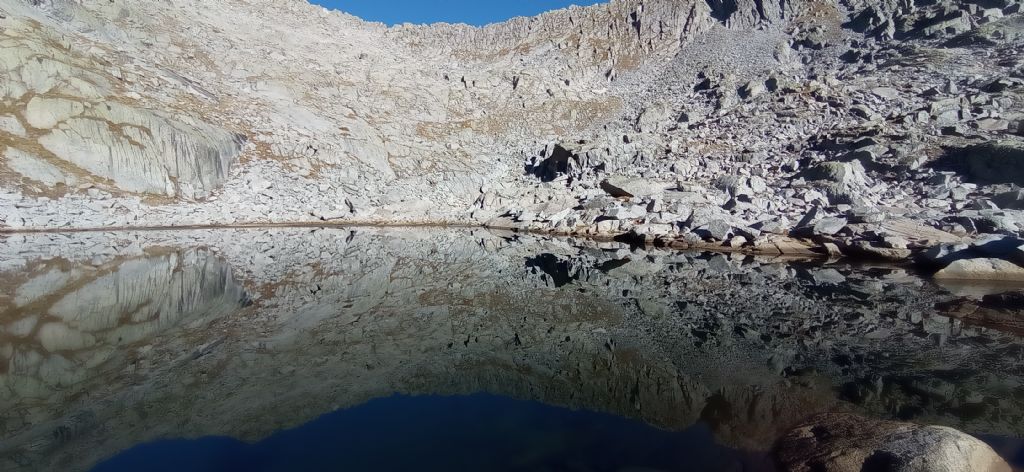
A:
x: 360, y: 349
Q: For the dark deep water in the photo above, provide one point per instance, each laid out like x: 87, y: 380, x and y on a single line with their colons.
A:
x: 473, y: 432
x: 337, y: 349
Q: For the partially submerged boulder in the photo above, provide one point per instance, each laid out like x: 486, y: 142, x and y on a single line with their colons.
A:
x: 836, y: 442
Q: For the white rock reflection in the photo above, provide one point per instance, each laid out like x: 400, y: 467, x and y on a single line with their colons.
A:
x: 65, y: 326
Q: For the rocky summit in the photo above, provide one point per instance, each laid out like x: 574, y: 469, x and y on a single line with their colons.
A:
x: 869, y: 128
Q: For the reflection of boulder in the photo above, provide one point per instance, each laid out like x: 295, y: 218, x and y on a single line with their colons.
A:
x: 561, y: 272
x: 752, y: 417
x: 961, y: 398
x: 847, y: 443
x: 1002, y: 311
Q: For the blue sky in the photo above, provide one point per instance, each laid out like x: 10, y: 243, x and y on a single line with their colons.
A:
x: 474, y: 12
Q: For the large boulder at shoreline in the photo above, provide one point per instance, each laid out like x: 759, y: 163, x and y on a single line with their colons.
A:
x: 982, y: 269
x: 848, y: 443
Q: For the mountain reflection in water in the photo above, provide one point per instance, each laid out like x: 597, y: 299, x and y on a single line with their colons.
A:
x: 144, y: 342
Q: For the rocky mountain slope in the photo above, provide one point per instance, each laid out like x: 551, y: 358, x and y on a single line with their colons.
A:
x: 870, y: 128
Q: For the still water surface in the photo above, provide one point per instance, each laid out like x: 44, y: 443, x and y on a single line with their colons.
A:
x: 364, y: 349
x: 473, y: 432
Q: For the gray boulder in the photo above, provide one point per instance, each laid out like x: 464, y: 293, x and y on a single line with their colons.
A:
x: 626, y: 212
x: 843, y: 173
x: 942, y: 255
x: 653, y: 119
x: 752, y: 89
x: 719, y: 229
x: 982, y: 269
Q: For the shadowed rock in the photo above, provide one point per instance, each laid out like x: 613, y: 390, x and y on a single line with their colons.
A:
x: 987, y: 163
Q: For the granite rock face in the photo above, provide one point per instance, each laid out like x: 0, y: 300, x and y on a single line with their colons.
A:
x: 750, y: 113
x: 73, y: 124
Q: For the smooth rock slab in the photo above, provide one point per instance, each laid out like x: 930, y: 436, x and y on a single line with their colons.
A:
x: 45, y: 113
x: 10, y: 124
x: 829, y: 226
x: 146, y: 152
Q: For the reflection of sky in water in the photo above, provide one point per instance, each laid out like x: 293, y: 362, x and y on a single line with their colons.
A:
x: 476, y: 432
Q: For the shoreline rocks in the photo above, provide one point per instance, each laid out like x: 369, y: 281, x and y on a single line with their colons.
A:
x: 873, y: 133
